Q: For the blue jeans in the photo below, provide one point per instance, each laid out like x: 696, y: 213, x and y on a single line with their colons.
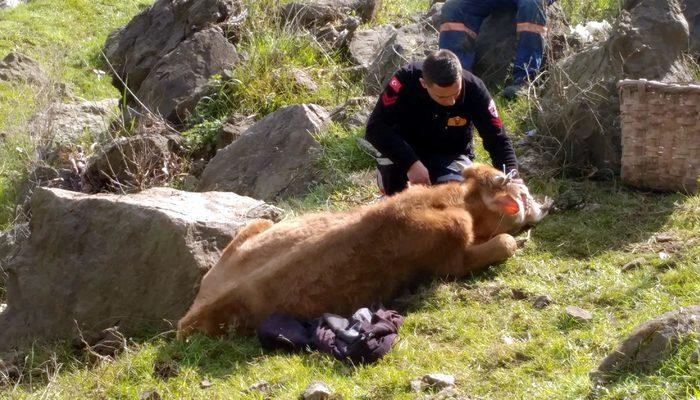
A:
x: 462, y: 20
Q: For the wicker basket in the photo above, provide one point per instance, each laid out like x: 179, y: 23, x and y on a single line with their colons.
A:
x: 660, y: 135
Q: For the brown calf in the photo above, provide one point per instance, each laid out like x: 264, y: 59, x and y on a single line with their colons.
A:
x: 339, y: 262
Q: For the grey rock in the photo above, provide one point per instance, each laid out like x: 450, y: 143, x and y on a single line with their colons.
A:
x: 355, y: 112
x: 93, y: 261
x: 634, y: 264
x: 316, y: 13
x: 109, y: 343
x: 10, y: 244
x: 303, y: 80
x: 10, y: 3
x: 317, y: 391
x: 262, y: 387
x: 135, y: 49
x: 274, y: 158
x: 691, y: 10
x: 417, y: 385
x: 16, y: 67
x: 579, y: 314
x: 439, y: 381
x: 128, y: 164
x: 518, y: 294
x: 205, y: 384
x: 232, y: 130
x: 541, y: 301
x: 57, y: 128
x: 410, y: 43
x: 649, y: 344
x: 180, y: 79
x: 581, y: 98
x: 150, y: 395
x: 366, y: 44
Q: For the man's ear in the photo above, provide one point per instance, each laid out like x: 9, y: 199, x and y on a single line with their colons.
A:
x: 423, y: 83
x: 507, y: 204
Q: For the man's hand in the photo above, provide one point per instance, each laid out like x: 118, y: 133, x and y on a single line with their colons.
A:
x: 418, y: 174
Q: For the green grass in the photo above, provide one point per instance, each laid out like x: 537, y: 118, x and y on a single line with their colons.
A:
x: 594, y: 10
x: 458, y: 327
x: 65, y: 37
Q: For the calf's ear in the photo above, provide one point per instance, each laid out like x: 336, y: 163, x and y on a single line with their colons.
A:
x: 507, y: 204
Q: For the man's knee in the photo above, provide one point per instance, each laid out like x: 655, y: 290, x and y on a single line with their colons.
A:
x: 532, y: 16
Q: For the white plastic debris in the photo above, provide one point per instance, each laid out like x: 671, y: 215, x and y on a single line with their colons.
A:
x: 592, y: 31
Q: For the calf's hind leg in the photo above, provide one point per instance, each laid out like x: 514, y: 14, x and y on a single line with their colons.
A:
x: 253, y: 228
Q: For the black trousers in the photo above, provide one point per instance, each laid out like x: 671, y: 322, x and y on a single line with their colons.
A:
x: 441, y: 168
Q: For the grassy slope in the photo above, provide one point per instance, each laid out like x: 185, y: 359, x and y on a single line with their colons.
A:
x: 459, y: 328
x: 65, y: 37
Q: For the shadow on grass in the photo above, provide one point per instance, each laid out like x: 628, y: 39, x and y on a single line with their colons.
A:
x: 602, y: 217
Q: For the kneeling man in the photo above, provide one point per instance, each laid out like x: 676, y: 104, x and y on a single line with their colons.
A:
x: 421, y: 127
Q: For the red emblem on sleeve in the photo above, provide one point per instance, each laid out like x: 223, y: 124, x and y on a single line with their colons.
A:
x: 395, y: 84
x: 389, y: 100
x: 495, y: 119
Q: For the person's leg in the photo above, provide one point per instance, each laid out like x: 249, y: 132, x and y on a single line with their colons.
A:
x: 461, y: 20
x: 391, y: 179
x: 531, y: 28
x: 445, y: 169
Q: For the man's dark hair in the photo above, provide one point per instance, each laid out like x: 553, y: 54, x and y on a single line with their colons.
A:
x: 442, y: 68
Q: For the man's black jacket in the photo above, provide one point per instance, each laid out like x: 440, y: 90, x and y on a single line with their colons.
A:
x: 407, y: 124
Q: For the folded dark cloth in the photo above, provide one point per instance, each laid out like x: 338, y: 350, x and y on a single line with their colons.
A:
x: 283, y: 332
x: 363, y: 338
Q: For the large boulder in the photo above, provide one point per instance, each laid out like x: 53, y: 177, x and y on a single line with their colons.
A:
x: 61, y: 125
x: 366, y: 44
x: 316, y: 13
x: 580, y: 102
x: 17, y: 67
x: 96, y: 261
x: 128, y: 164
x: 691, y: 10
x: 10, y: 244
x: 180, y: 79
x: 274, y: 158
x: 408, y: 44
x: 135, y: 49
x: 650, y: 343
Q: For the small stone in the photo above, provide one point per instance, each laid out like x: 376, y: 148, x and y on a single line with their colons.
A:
x: 663, y: 255
x: 8, y: 372
x: 3, y: 306
x: 439, y: 381
x: 317, y: 391
x: 664, y: 237
x: 591, y: 207
x: 205, y: 384
x: 110, y: 343
x: 150, y: 395
x: 507, y: 340
x: 303, y: 80
x: 189, y: 183
x: 636, y: 263
x: 417, y: 385
x: 518, y: 294
x: 541, y: 301
x: 579, y: 314
x: 260, y: 387
x: 165, y: 369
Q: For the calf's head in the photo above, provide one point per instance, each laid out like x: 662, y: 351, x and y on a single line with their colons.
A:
x: 506, y: 197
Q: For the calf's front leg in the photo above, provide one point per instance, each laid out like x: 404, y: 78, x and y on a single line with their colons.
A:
x: 479, y: 256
